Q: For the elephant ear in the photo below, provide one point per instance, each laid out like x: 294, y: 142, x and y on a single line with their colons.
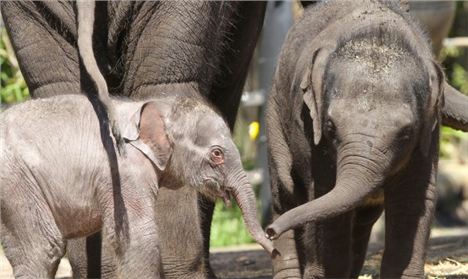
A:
x: 146, y: 132
x: 312, y: 88
x: 435, y: 102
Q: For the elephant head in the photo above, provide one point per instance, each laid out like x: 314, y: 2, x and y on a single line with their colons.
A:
x: 189, y: 144
x: 374, y: 100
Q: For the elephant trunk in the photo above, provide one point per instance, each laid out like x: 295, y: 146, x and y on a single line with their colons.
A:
x: 242, y: 191
x: 455, y: 109
x: 357, y: 177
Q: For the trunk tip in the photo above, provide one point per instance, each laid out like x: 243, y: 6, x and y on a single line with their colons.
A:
x: 271, y: 232
x: 275, y: 253
x: 268, y: 246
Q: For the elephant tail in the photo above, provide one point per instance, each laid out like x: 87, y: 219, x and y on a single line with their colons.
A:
x: 85, y: 46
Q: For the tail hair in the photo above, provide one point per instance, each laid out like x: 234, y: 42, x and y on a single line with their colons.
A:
x: 85, y: 46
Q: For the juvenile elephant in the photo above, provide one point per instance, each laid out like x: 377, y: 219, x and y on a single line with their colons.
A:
x: 54, y: 185
x: 353, y: 127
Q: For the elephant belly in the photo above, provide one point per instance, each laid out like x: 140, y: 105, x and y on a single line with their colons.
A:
x: 75, y: 209
x: 78, y: 222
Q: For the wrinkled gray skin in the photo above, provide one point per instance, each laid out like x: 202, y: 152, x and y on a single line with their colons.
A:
x: 198, y: 49
x: 353, y: 117
x: 55, y: 186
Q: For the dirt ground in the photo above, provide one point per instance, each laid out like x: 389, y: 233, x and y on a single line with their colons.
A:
x: 447, y: 258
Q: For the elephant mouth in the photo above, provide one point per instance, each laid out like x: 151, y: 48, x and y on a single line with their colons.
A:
x: 213, y: 190
x: 226, y: 196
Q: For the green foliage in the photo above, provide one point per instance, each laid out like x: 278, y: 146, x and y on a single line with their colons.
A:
x: 450, y: 140
x: 228, y: 228
x: 247, y: 147
x: 460, y: 78
x: 457, y: 74
x: 12, y: 86
x: 450, y: 52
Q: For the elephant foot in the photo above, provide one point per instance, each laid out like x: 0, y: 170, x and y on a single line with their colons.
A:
x: 288, y: 267
x: 283, y: 274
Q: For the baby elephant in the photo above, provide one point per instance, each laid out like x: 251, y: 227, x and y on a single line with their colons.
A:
x: 58, y: 182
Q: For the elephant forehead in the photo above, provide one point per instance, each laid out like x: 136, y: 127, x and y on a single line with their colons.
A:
x: 211, y: 130
x: 365, y: 112
x: 375, y: 89
x: 398, y: 81
x: 365, y: 104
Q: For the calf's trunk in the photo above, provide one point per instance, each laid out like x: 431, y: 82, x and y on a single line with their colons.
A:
x: 242, y: 191
x: 356, y: 178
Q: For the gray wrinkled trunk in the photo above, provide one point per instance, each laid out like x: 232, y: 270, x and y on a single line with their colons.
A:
x: 245, y: 197
x: 357, y: 177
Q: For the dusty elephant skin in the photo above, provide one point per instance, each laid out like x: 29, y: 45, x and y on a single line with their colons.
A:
x: 144, y: 49
x: 54, y: 185
x: 353, y: 126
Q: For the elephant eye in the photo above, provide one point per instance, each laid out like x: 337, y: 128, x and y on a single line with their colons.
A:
x: 406, y: 132
x: 217, y: 156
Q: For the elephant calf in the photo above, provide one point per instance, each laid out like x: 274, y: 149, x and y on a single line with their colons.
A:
x: 58, y: 181
x: 353, y: 128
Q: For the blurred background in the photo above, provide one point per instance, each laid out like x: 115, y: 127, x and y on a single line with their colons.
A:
x: 445, y: 21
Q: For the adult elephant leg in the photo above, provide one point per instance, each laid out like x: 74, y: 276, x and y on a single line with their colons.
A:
x: 226, y: 91
x: 409, y: 210
x: 364, y: 219
x: 330, y: 255
x: 286, y: 266
x: 284, y: 197
x: 43, y: 35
